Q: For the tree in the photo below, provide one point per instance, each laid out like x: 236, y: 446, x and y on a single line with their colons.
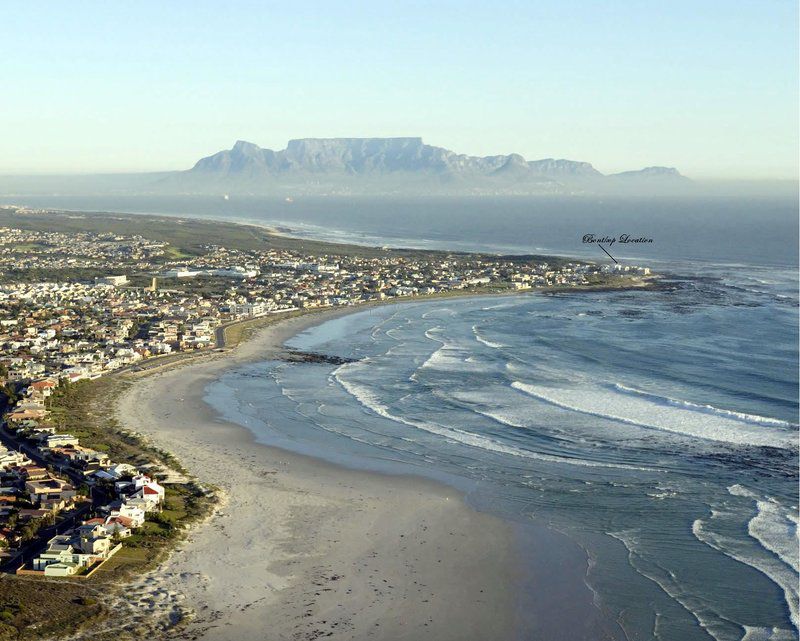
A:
x: 29, y: 530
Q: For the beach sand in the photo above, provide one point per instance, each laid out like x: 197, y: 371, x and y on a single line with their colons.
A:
x: 301, y: 549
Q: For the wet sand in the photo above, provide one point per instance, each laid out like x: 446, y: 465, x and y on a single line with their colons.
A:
x: 301, y: 549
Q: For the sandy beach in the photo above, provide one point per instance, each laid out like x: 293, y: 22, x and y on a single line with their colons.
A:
x: 300, y: 549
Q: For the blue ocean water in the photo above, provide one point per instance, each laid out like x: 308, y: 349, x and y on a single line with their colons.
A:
x: 659, y: 429
x: 751, y: 231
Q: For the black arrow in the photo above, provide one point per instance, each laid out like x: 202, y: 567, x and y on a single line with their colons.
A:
x: 609, y: 255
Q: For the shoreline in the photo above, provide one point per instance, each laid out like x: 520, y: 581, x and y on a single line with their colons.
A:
x: 270, y: 536
x: 336, y: 552
x: 283, y: 230
x: 322, y: 550
x: 276, y: 228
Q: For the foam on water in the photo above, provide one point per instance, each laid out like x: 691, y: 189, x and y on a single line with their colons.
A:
x: 370, y: 400
x: 450, y: 357
x: 752, y: 633
x: 773, y: 529
x: 668, y: 582
x: 485, y: 341
x: 709, y: 409
x: 657, y: 416
x: 776, y: 530
x: 774, y: 526
x: 778, y: 572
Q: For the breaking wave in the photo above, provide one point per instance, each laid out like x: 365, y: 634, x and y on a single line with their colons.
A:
x: 368, y: 399
x: 774, y: 529
x: 485, y: 341
x: 708, y: 409
x: 656, y: 416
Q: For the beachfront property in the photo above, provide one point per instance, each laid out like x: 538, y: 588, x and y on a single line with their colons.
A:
x: 137, y: 299
x: 33, y: 496
x: 68, y: 329
x: 84, y: 547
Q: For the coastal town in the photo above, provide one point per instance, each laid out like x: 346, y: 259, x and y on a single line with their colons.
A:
x: 79, y: 306
x: 142, y: 303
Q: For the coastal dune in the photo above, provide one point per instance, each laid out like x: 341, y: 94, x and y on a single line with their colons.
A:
x: 301, y: 549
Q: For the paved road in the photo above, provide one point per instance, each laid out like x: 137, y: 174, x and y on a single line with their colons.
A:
x: 71, y: 519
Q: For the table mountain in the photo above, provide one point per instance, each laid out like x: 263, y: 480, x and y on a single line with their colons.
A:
x: 395, y: 165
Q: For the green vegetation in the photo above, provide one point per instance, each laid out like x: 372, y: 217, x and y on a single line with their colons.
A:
x: 82, y: 410
x: 26, y: 247
x: 190, y: 236
x: 33, y: 609
x: 175, y: 253
x: 32, y: 527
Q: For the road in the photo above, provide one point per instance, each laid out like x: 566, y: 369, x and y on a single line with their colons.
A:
x: 69, y: 519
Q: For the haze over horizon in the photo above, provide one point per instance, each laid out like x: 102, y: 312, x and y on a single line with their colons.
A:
x: 108, y: 89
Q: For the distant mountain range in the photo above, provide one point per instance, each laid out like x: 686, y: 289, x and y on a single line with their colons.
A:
x: 358, y: 166
x: 398, y: 166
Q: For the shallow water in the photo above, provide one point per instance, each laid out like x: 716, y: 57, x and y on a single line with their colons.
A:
x: 658, y: 429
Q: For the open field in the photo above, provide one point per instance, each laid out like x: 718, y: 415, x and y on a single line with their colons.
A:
x: 189, y: 235
x: 32, y: 608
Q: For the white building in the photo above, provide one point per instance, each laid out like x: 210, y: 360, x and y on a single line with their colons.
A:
x: 111, y: 280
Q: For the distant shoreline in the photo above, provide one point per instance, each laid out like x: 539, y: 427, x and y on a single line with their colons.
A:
x: 484, y: 569
x: 286, y: 233
x: 273, y: 501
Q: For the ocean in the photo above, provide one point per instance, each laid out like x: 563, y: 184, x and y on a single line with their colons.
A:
x: 744, y: 230
x: 658, y: 429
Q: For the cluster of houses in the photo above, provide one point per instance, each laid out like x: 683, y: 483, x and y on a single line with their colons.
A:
x: 98, y: 538
x: 24, y: 249
x: 63, y: 329
x: 70, y: 482
x: 632, y: 270
x: 81, y: 330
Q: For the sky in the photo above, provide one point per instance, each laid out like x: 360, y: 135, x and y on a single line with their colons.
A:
x: 707, y: 86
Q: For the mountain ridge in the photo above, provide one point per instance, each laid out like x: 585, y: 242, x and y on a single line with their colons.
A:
x: 396, y: 165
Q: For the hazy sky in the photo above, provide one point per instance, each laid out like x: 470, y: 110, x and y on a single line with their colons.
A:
x: 710, y: 87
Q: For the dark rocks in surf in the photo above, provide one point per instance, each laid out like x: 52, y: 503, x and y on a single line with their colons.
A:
x: 296, y: 356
